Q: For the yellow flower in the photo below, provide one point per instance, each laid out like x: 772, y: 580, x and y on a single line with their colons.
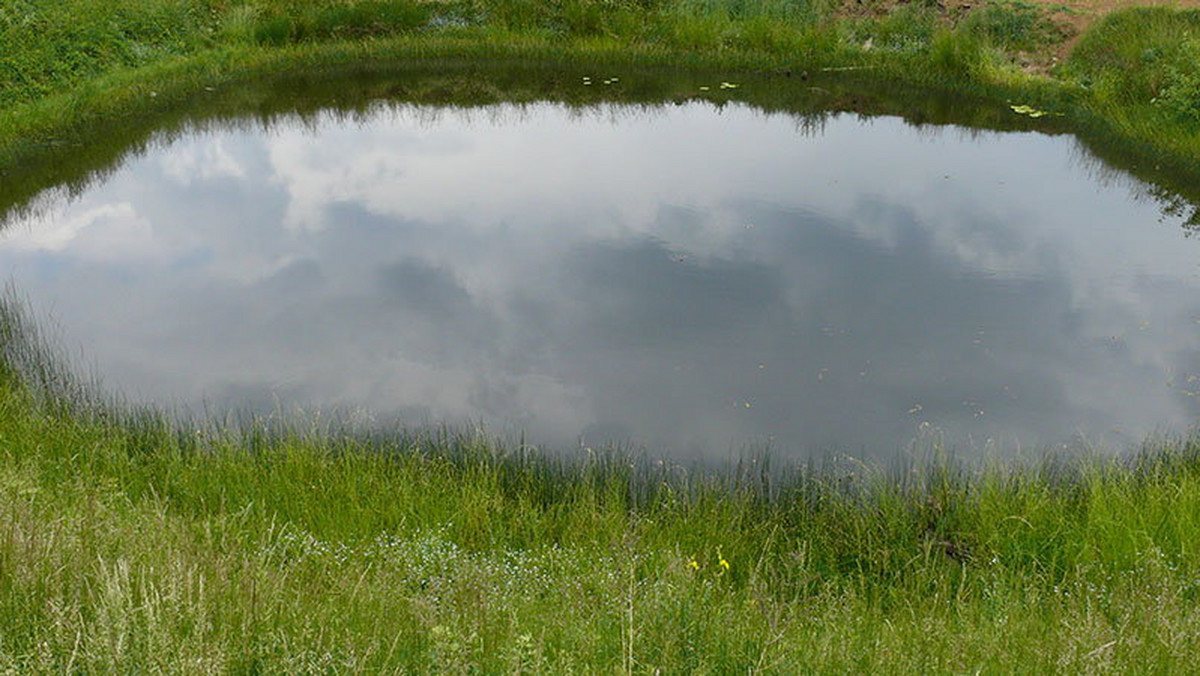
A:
x: 693, y: 565
x: 721, y: 561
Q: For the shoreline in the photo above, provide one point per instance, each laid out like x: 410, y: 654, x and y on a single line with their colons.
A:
x: 950, y: 62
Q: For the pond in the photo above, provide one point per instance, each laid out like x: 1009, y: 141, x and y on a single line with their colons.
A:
x: 696, y: 278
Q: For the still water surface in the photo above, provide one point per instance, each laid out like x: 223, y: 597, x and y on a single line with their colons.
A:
x: 691, y: 279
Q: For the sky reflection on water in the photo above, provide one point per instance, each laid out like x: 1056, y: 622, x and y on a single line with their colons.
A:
x: 689, y: 279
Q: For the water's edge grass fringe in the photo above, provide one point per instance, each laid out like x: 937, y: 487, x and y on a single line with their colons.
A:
x: 1130, y: 84
x: 131, y: 541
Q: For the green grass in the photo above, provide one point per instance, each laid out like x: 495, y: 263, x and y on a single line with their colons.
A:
x: 72, y: 70
x: 130, y: 542
x: 1014, y: 26
x: 133, y: 542
x: 86, y: 63
x: 1143, y: 69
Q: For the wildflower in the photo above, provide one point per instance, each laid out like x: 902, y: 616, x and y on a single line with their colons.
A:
x: 721, y: 561
x: 693, y: 565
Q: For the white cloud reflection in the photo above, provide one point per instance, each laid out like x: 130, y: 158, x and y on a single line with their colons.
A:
x: 204, y: 161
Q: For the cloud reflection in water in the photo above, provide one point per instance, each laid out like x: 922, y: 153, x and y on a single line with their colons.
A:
x: 690, y: 279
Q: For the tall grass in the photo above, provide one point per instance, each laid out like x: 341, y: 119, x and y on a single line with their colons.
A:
x: 130, y: 542
x: 1142, y: 67
x: 1140, y: 70
x: 46, y: 47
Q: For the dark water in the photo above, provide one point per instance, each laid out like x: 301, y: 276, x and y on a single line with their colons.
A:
x: 692, y: 279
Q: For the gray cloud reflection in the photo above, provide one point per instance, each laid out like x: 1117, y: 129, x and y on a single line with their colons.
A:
x: 694, y: 280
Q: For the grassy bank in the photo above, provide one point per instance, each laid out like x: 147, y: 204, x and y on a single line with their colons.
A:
x: 69, y: 69
x: 129, y: 542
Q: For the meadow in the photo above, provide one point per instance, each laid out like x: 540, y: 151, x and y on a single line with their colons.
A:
x: 131, y: 541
